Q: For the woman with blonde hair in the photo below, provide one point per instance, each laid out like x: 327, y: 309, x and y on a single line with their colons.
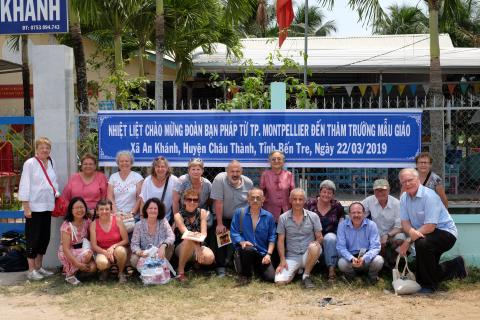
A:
x: 36, y: 192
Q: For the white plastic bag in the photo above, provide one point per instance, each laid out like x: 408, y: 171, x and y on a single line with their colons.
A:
x: 154, y: 270
x: 404, y: 282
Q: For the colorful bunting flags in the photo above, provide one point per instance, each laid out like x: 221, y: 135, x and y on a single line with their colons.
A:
x: 362, y: 88
x: 451, y: 87
x: 349, y: 89
x: 401, y: 88
x: 375, y: 88
x: 476, y: 87
x: 463, y: 87
x: 388, y: 88
x: 413, y: 89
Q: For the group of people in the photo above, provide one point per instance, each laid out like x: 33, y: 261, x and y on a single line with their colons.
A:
x: 276, y: 232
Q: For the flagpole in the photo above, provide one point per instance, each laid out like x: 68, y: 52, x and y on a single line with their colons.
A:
x: 305, y: 53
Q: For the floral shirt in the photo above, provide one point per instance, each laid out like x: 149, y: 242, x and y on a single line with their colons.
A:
x: 331, y: 219
x: 142, y: 239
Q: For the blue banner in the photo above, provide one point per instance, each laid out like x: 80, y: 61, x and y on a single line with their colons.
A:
x: 321, y: 138
x: 33, y: 16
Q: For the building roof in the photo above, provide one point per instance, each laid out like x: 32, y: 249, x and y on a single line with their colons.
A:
x: 9, y: 67
x: 366, y: 54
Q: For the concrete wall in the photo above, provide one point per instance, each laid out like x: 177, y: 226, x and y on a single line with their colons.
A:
x: 55, y: 118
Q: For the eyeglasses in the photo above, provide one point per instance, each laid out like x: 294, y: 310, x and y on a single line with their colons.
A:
x: 195, y: 200
x: 256, y: 198
x: 195, y: 160
x: 277, y: 159
x: 423, y: 162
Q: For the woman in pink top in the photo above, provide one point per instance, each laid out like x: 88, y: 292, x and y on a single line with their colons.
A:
x: 109, y: 238
x: 276, y: 184
x: 89, y: 184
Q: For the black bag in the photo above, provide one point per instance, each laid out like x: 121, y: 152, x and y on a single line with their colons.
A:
x: 13, y: 261
x: 237, y: 262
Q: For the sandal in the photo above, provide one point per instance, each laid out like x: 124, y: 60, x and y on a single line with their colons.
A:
x: 181, y: 277
x: 129, y: 270
x: 114, y: 269
x: 332, y: 277
x: 122, y: 278
x: 72, y: 280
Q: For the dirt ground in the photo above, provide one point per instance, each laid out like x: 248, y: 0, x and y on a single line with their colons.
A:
x: 220, y: 299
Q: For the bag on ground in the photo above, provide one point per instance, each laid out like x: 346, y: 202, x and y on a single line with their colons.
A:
x: 404, y: 282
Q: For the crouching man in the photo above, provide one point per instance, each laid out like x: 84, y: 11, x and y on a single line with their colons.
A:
x: 358, y: 245
x: 303, y: 232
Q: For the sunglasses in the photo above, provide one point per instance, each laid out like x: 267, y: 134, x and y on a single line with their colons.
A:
x: 195, y: 200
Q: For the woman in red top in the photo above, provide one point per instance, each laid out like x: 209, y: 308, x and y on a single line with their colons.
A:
x: 276, y: 184
x: 109, y: 238
x: 89, y: 183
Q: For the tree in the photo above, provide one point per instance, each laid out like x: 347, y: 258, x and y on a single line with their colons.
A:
x: 464, y: 30
x: 316, y: 24
x: 193, y: 24
x: 402, y: 20
x: 372, y: 11
x: 159, y: 52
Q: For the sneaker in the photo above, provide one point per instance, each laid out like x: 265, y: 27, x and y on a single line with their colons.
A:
x: 425, y: 290
x: 45, y: 273
x: 243, y: 281
x: 122, y: 278
x: 308, y: 283
x: 462, y: 272
x: 34, y: 275
x: 72, y: 280
x: 221, y: 272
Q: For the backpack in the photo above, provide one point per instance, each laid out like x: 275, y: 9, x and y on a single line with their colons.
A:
x: 12, y: 261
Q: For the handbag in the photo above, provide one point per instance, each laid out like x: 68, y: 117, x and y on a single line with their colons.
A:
x: 404, y: 282
x: 61, y: 204
x: 85, y: 244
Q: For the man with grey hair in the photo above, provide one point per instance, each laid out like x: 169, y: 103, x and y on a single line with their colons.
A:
x: 429, y: 225
x: 302, y: 231
x: 384, y: 210
x: 229, y: 192
x: 253, y: 234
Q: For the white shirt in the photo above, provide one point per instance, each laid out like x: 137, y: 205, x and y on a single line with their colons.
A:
x: 34, y: 186
x: 149, y: 190
x: 125, y: 191
x: 385, y: 218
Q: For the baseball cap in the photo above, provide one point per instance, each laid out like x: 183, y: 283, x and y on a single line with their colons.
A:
x: 381, y: 184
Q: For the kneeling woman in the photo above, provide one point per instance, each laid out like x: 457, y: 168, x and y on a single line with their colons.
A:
x: 153, y: 230
x: 109, y: 238
x: 74, y: 230
x: 194, y: 219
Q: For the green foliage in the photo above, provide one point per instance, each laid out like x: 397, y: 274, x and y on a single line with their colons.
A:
x: 128, y: 92
x: 255, y: 94
x: 90, y: 144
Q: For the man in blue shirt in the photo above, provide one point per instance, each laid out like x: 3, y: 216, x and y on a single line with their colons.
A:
x: 427, y: 222
x: 253, y: 234
x: 358, y: 244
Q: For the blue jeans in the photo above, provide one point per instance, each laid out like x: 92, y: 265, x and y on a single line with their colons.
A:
x: 330, y: 249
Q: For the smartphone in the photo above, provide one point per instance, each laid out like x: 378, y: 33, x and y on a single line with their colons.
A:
x: 362, y: 252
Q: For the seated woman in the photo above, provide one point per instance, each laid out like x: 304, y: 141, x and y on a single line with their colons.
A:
x: 153, y: 230
x: 331, y: 213
x: 109, y: 238
x: 191, y: 218
x: 73, y: 230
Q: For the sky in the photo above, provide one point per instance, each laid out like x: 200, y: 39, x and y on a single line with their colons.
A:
x: 346, y: 19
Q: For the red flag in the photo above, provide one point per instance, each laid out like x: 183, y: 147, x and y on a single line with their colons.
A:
x: 284, y: 19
